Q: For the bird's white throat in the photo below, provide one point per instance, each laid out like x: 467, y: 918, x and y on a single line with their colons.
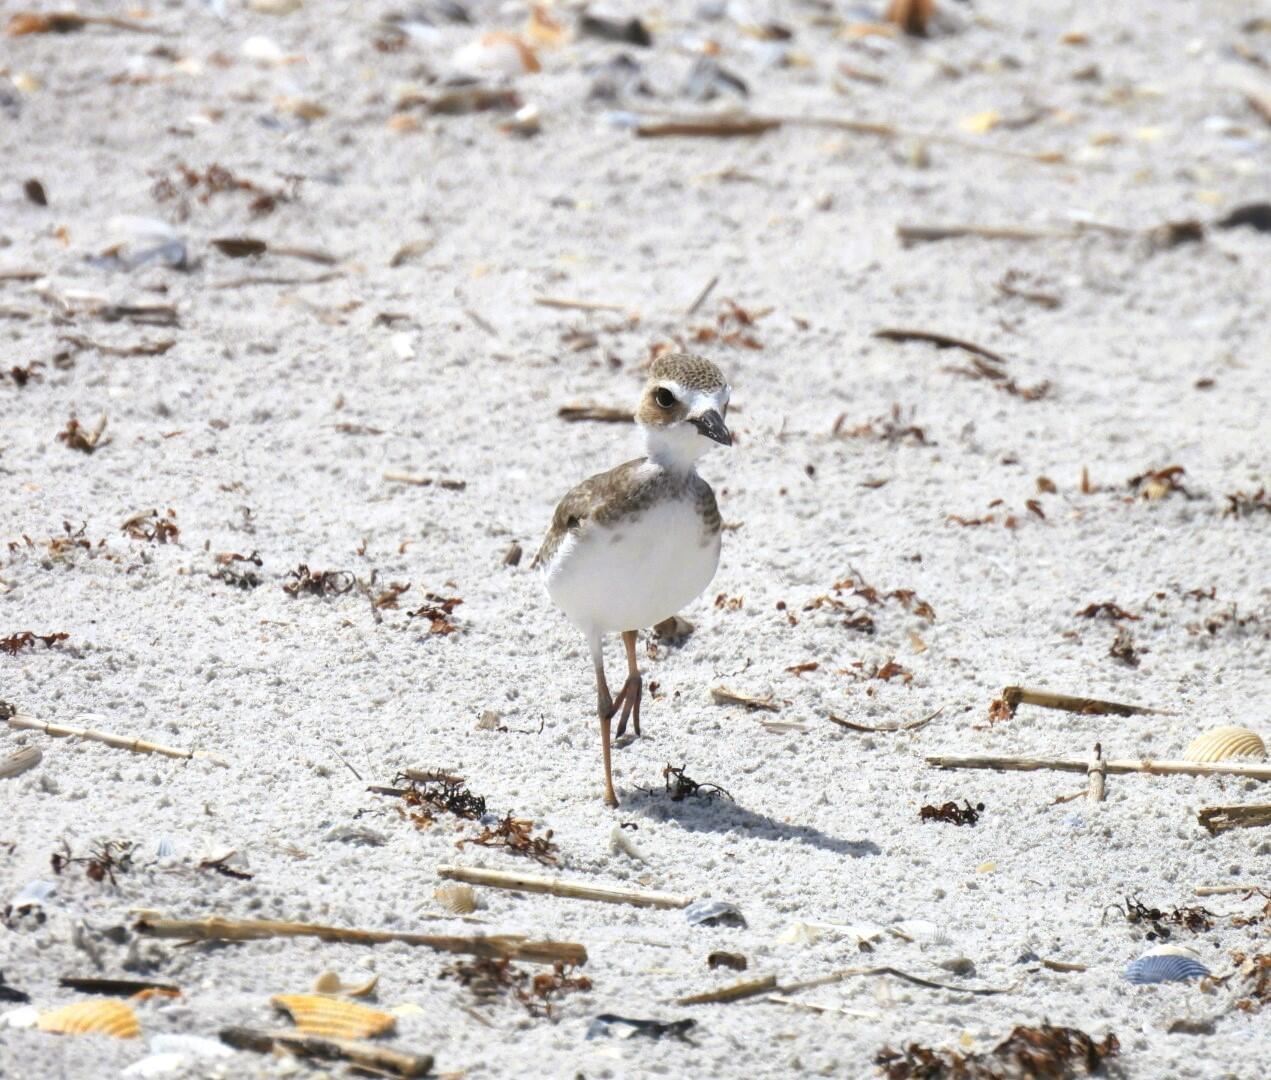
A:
x: 676, y: 447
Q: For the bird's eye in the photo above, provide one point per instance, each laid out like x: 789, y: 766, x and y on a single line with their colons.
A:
x: 664, y: 397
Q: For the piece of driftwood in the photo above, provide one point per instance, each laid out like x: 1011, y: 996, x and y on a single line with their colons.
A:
x: 849, y: 973
x: 604, y: 414
x: 912, y: 725
x: 22, y: 722
x: 1097, y: 771
x: 575, y: 890
x: 1219, y: 819
x: 734, y: 992
x: 1015, y: 696
x: 497, y: 947
x: 383, y: 1060
x: 20, y: 761
x: 1146, y: 765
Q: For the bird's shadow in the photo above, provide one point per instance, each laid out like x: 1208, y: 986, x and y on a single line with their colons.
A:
x: 718, y: 814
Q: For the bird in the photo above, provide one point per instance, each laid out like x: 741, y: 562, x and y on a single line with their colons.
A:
x: 630, y: 547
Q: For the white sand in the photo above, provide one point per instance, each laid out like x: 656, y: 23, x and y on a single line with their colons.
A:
x: 235, y: 429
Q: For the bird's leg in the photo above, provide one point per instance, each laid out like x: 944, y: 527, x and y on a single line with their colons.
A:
x: 632, y: 689
x: 605, y: 709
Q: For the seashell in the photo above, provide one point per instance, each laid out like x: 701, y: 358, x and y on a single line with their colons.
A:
x: 497, y: 53
x: 112, y: 1018
x: 1165, y: 963
x: 456, y: 898
x: 21, y: 1019
x: 921, y: 931
x: 196, y: 1046
x: 330, y: 983
x: 319, y: 1015
x: 620, y: 842
x: 1225, y: 742
x: 800, y: 933
x: 714, y: 913
x: 165, y: 847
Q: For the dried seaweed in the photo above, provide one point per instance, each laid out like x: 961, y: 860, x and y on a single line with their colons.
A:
x: 732, y: 327
x: 517, y: 836
x: 23, y: 375
x: 100, y: 863
x: 437, y: 611
x: 317, y: 582
x: 1044, y: 1053
x: 953, y: 813
x: 1256, y: 973
x: 443, y: 793
x: 1196, y: 919
x: 1160, y: 483
x: 489, y: 979
x: 1107, y: 609
x: 25, y: 639
x: 214, y: 180
x: 893, y: 429
x: 80, y: 438
x: 231, y: 575
x: 1240, y: 504
x: 680, y: 787
x: 150, y: 525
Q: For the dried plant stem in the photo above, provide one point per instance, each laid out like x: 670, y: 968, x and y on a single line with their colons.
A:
x: 381, y: 1060
x: 577, y: 305
x: 1156, y: 768
x: 1014, y: 696
x: 1223, y: 890
x: 22, y: 722
x: 912, y: 725
x: 604, y: 414
x: 735, y: 992
x: 848, y: 973
x: 575, y: 890
x: 16, y: 764
x: 1098, y: 773
x: 942, y: 341
x: 498, y: 947
x: 1220, y: 819
x: 916, y: 234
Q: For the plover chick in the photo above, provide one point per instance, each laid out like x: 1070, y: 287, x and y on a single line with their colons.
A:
x: 630, y: 547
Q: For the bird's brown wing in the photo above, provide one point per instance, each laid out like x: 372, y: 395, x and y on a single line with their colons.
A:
x: 598, y: 498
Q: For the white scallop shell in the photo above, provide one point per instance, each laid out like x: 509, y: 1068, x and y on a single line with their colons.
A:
x: 1225, y: 742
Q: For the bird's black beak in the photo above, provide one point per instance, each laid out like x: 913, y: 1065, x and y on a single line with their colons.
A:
x: 711, y: 424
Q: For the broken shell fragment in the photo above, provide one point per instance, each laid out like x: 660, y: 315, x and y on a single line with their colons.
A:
x: 456, y: 898
x: 319, y: 1015
x: 714, y: 913
x: 112, y: 1018
x: 329, y: 983
x: 1225, y: 742
x: 1165, y: 963
x: 497, y: 53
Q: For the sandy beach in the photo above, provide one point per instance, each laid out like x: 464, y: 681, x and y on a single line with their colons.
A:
x: 329, y: 272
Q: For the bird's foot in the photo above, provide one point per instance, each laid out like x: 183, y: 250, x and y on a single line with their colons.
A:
x: 629, y: 699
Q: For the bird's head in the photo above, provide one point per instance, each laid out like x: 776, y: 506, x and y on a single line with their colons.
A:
x: 682, y: 408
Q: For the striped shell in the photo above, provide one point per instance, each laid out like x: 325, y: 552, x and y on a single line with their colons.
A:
x: 319, y: 1015
x: 112, y: 1018
x: 1165, y: 963
x: 1225, y: 742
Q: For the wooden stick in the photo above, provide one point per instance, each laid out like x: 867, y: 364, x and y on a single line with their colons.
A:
x: 941, y: 341
x: 700, y: 299
x: 1220, y: 819
x: 16, y: 764
x: 1098, y: 773
x: 917, y: 234
x: 365, y: 1055
x: 1224, y: 890
x: 848, y: 973
x: 577, y: 305
x: 605, y: 414
x: 735, y: 992
x: 499, y: 947
x: 1156, y: 768
x: 1015, y: 696
x: 913, y: 725
x: 716, y: 127
x: 721, y: 695
x: 22, y: 722
x: 575, y: 890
